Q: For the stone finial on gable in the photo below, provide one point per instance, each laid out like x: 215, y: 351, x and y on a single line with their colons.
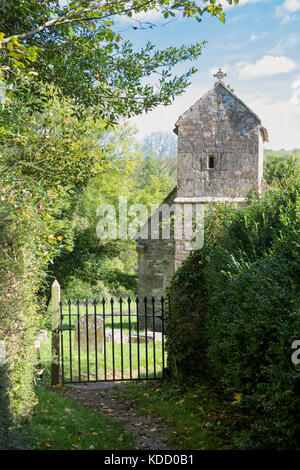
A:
x: 220, y: 75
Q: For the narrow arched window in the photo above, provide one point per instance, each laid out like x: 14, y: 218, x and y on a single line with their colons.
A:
x: 211, y: 162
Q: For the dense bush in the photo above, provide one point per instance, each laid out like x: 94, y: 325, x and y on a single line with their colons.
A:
x: 247, y: 279
x: 17, y: 323
x: 280, y: 170
x: 186, y: 329
x: 253, y: 279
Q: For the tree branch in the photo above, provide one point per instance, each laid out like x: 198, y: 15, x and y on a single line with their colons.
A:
x: 70, y: 18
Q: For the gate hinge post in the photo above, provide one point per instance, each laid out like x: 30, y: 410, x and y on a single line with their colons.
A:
x: 55, y: 300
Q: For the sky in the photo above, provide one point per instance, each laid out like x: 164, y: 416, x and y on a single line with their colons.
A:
x: 258, y: 47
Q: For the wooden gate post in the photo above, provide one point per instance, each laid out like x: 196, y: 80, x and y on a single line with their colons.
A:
x: 55, y: 299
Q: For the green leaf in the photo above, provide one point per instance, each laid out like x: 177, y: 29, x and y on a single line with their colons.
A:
x: 32, y: 53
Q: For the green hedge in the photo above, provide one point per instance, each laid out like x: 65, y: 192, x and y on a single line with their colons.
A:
x: 186, y: 328
x: 186, y: 321
x: 247, y: 278
x: 18, y: 321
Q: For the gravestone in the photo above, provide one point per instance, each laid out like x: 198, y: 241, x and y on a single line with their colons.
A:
x: 42, y: 337
x: 88, y: 326
x: 151, y: 337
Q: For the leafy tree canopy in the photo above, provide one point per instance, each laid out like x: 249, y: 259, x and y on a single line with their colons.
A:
x: 74, y: 46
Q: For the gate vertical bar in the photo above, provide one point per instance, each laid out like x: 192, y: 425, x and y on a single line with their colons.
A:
x: 153, y: 331
x: 61, y: 329
x: 96, y: 337
x: 70, y: 340
x: 163, y: 335
x: 138, y: 335
x: 121, y: 332
x: 78, y: 338
x: 55, y: 297
x: 113, y: 335
x: 87, y: 339
x: 146, y: 337
x: 129, y: 324
x: 104, y: 339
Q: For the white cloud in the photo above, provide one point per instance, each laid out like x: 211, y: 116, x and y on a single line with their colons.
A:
x: 285, y: 11
x: 291, y: 5
x: 266, y: 66
x: 288, y: 18
x: 286, y: 44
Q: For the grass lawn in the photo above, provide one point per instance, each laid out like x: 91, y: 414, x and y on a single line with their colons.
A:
x: 198, y: 417
x: 59, y: 423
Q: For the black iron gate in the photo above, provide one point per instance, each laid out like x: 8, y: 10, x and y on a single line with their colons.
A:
x: 112, y: 340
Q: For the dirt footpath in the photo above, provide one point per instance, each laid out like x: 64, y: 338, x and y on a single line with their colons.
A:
x: 148, y: 433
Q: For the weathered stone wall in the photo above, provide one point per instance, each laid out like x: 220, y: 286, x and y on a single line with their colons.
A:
x: 219, y: 125
x: 155, y: 257
x: 156, y: 267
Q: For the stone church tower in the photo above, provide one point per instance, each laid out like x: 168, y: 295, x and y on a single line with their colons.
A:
x: 220, y: 158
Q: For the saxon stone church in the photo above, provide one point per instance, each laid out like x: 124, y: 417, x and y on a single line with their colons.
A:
x: 220, y: 158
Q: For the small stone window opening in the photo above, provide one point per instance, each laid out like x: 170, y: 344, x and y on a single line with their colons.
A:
x: 172, y: 224
x: 211, y: 162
